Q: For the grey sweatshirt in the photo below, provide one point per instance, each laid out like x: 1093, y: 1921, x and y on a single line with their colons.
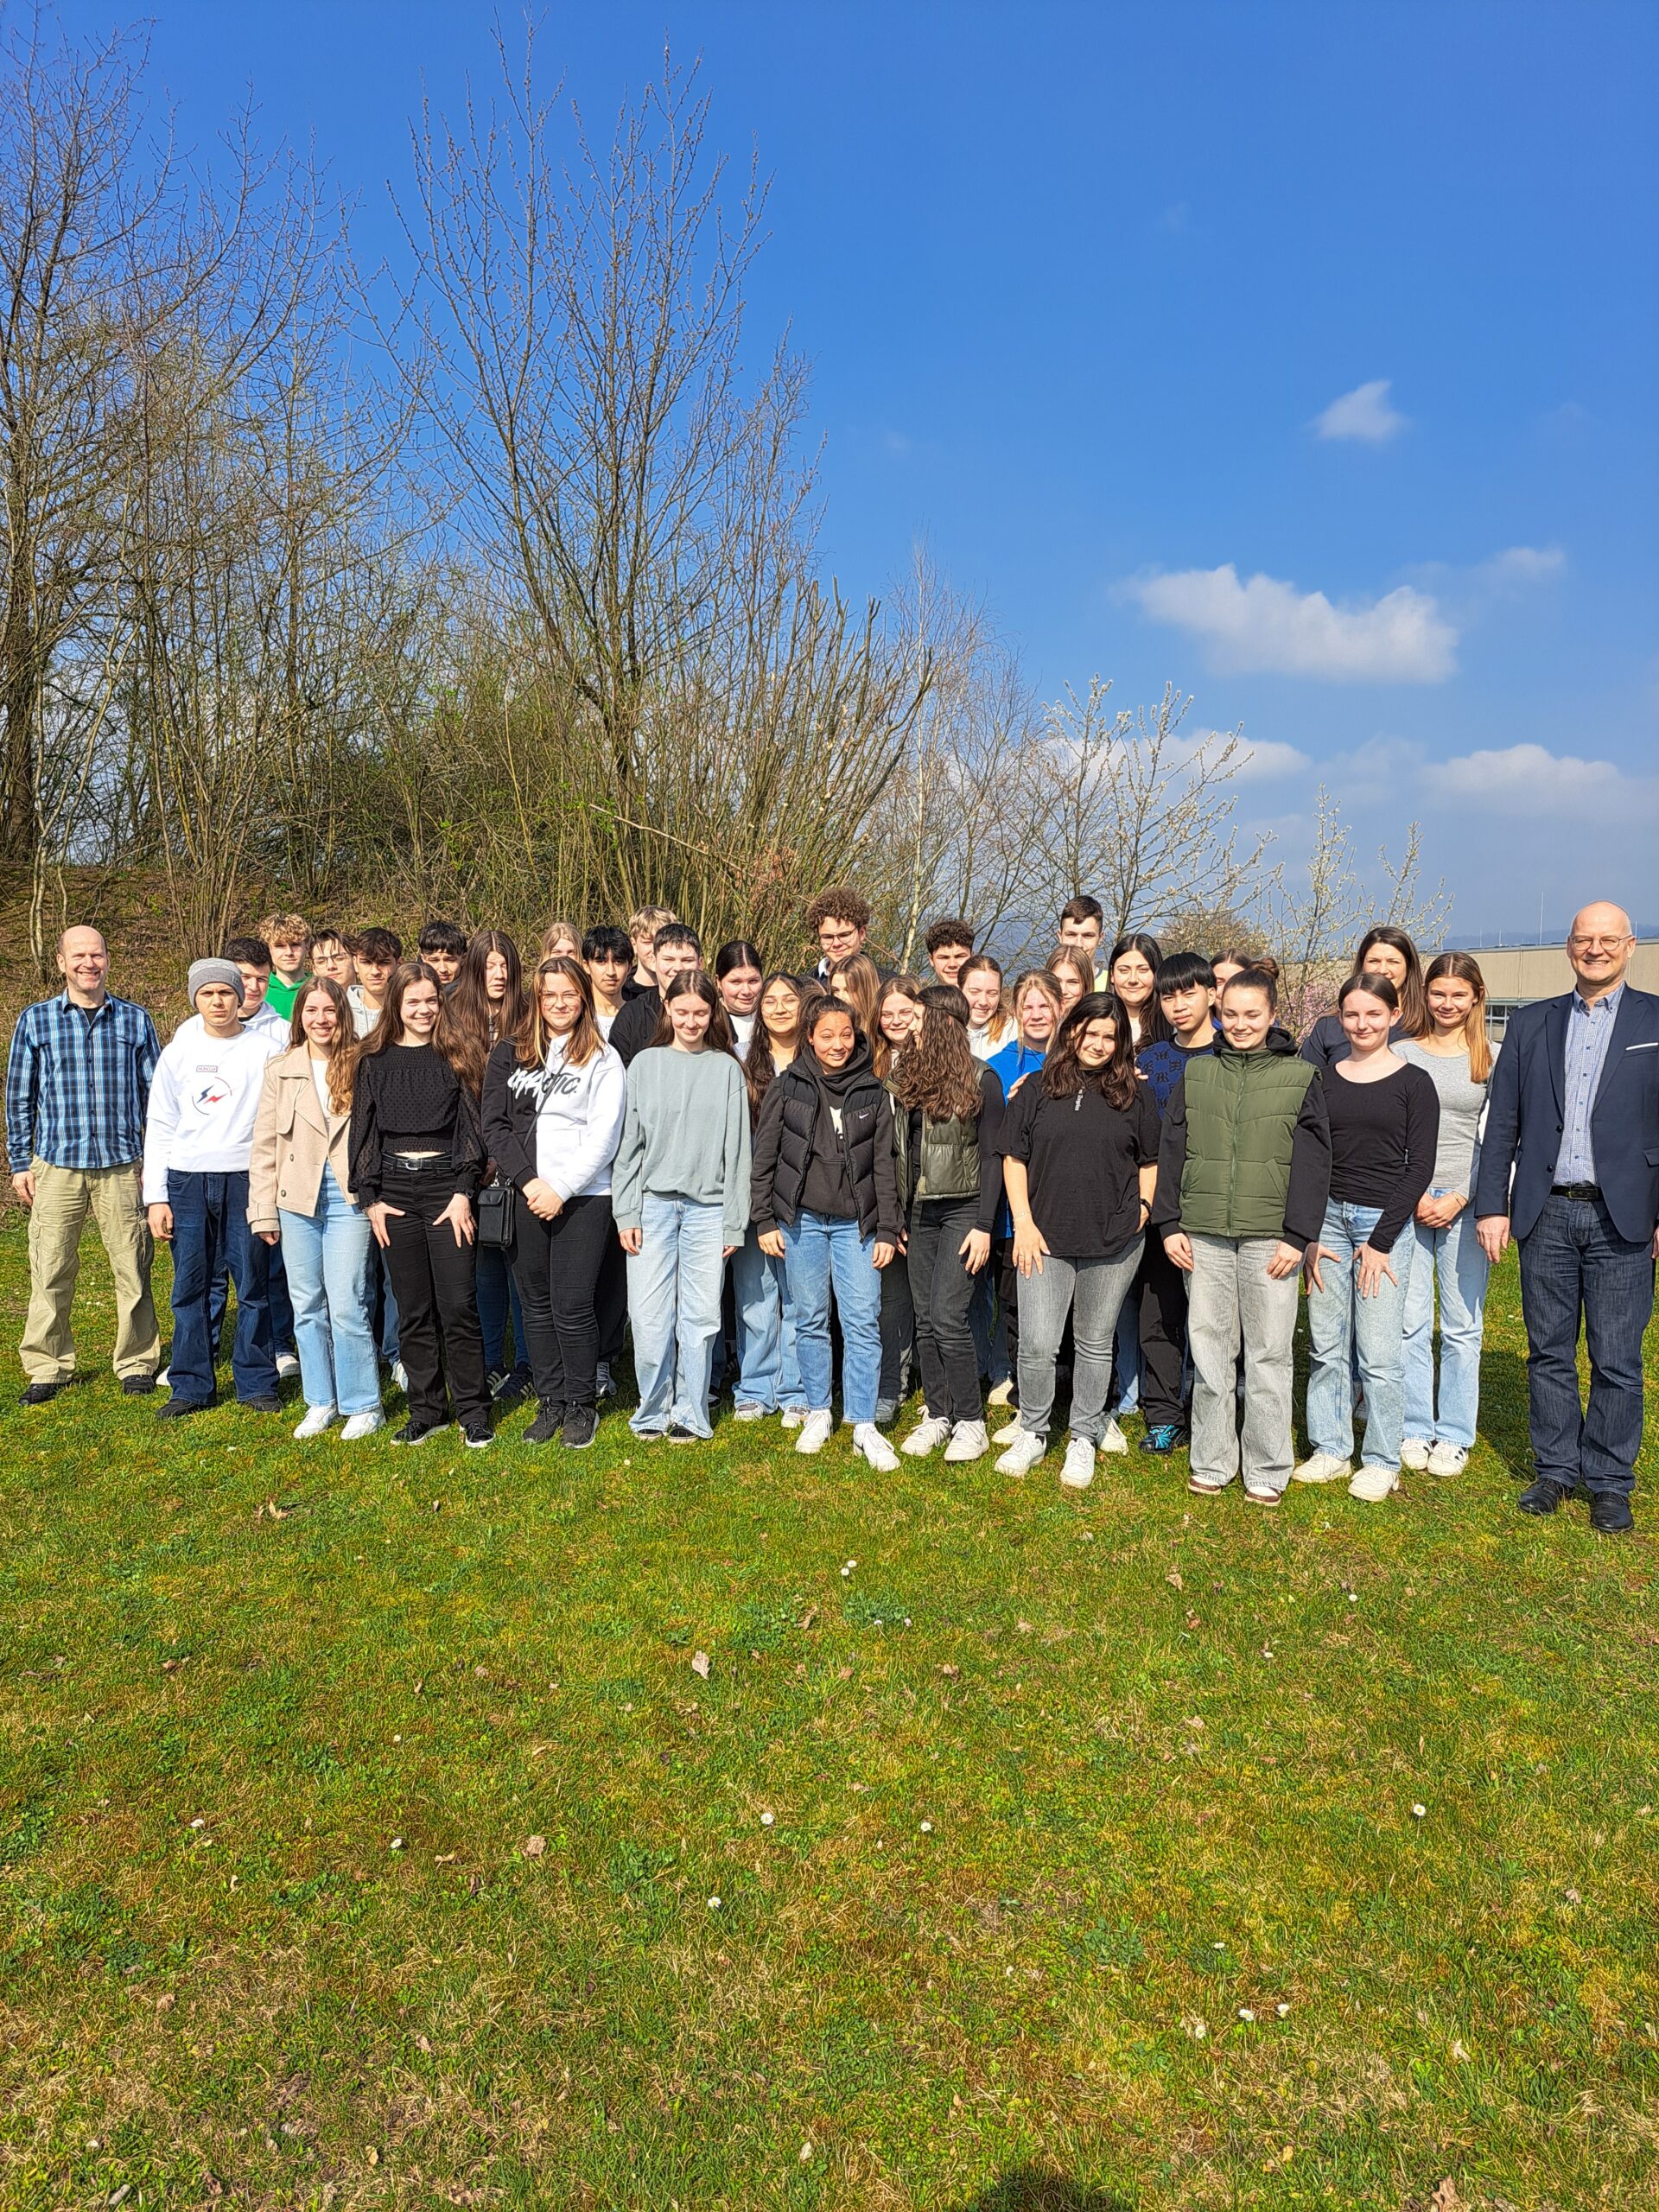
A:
x: 685, y: 1135
x: 1462, y: 1104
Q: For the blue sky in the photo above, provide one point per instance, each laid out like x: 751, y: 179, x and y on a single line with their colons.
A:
x: 1306, y: 355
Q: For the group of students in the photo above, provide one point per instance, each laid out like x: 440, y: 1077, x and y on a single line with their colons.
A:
x: 1104, y: 1182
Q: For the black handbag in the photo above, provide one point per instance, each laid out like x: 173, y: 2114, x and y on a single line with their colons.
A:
x: 495, y: 1205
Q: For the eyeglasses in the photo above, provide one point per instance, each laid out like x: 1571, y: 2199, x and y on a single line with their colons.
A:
x: 1597, y: 944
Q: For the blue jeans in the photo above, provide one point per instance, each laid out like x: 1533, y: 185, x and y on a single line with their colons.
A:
x: 1453, y: 1257
x: 282, y: 1306
x: 674, y: 1283
x: 330, y: 1253
x: 823, y: 1252
x: 1574, y: 1263
x: 1341, y: 1326
x: 210, y: 1225
x: 498, y: 1298
x: 769, y: 1373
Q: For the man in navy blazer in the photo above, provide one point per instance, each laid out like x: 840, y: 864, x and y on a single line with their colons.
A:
x: 1573, y: 1113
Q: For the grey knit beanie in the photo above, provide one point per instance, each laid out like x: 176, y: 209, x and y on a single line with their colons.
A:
x: 203, y: 972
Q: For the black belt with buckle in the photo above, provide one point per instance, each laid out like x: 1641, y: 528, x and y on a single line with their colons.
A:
x: 1589, y: 1190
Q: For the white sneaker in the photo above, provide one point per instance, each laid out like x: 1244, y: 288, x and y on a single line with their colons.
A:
x: 792, y: 1416
x: 362, y: 1425
x: 1373, y: 1484
x: 1001, y: 1394
x: 399, y: 1376
x: 1444, y: 1459
x: 868, y: 1439
x: 1323, y: 1467
x: 1079, y: 1469
x: 317, y: 1419
x: 1112, y: 1437
x: 815, y: 1431
x: 928, y: 1434
x: 748, y: 1412
x: 1414, y: 1453
x: 1011, y: 1435
x: 1022, y: 1455
x: 287, y: 1364
x: 163, y: 1379
x: 967, y: 1441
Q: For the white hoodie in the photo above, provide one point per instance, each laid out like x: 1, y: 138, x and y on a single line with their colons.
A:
x: 578, y: 1118
x: 202, y: 1104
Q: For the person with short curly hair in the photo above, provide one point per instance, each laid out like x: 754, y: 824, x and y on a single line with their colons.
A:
x: 949, y: 943
x: 840, y: 919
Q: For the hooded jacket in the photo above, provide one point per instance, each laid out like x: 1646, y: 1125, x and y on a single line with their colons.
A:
x: 824, y: 1144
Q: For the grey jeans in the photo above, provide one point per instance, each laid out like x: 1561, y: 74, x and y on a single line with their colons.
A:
x: 1091, y: 1291
x: 1231, y: 1295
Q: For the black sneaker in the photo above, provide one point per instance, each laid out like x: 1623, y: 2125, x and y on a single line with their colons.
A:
x: 137, y: 1386
x: 417, y: 1432
x: 581, y: 1427
x: 40, y: 1394
x: 477, y: 1435
x: 512, y: 1387
x: 1164, y: 1436
x: 546, y: 1426
x: 176, y: 1408
x: 267, y: 1402
x: 679, y: 1434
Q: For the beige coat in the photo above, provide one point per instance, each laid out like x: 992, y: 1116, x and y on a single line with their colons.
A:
x: 291, y: 1141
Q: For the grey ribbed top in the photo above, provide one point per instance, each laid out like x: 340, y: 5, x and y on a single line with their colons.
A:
x: 1462, y: 1104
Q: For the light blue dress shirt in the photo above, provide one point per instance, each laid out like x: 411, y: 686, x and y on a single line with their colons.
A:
x: 1589, y: 1032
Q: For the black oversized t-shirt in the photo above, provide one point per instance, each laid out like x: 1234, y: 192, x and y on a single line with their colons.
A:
x: 1081, y: 1157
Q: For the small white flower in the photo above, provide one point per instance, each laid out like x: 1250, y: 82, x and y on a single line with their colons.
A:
x: 1282, y: 2010
x: 197, y: 1824
x: 806, y: 2152
x: 927, y: 1827
x: 1419, y: 1812
x: 845, y: 1571
x: 397, y: 1843
x: 766, y: 1819
x: 1219, y: 1946
x: 1246, y: 2015
x: 1353, y: 1597
x: 714, y: 1904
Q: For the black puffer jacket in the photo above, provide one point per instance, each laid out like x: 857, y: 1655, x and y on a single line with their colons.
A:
x: 792, y: 1161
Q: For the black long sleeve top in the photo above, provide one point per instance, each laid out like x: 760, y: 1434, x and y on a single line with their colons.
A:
x: 410, y: 1099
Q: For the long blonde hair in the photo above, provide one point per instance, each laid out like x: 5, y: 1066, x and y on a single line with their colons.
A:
x: 533, y: 1036
x: 1475, y: 1041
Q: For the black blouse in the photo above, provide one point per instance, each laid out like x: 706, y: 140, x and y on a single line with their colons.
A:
x: 410, y: 1099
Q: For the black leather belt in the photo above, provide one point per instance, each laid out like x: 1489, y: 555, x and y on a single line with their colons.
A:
x: 1591, y: 1191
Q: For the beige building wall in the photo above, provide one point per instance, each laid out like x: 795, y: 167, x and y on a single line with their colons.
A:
x: 1516, y: 974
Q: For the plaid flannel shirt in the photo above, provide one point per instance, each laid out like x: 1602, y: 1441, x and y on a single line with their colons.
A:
x: 78, y: 1084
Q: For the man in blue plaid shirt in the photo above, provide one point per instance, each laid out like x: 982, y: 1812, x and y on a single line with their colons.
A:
x: 77, y: 1088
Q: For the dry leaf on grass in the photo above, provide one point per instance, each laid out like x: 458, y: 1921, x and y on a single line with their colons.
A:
x: 701, y: 1663
x: 535, y: 1845
x: 1174, y: 1579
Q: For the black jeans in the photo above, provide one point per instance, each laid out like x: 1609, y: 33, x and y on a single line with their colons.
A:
x: 437, y: 1301
x: 898, y: 1332
x: 611, y: 1302
x: 943, y: 1290
x: 1161, y: 1289
x: 556, y: 1264
x: 1008, y: 1302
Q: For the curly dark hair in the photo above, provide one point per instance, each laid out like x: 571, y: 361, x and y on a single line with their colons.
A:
x: 934, y: 1071
x: 840, y: 903
x: 1064, y: 1074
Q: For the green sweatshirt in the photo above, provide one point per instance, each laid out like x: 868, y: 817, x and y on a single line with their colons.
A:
x: 685, y: 1135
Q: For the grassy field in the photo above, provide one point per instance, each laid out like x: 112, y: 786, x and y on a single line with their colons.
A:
x: 370, y: 1836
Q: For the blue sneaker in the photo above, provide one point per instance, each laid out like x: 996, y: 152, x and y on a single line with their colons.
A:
x: 1168, y: 1436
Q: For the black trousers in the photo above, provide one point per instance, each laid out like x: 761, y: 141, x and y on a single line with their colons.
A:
x: 1161, y: 1289
x: 557, y: 1267
x: 1007, y: 1301
x: 942, y: 1291
x: 611, y: 1302
x: 432, y: 1280
x: 898, y: 1332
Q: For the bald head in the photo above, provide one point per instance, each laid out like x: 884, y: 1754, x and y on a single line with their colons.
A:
x: 1599, y: 944
x: 83, y: 963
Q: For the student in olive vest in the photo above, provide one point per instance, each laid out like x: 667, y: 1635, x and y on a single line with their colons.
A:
x: 1244, y: 1173
x: 950, y: 1118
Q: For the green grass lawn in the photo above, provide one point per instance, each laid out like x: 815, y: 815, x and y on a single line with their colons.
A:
x: 369, y: 1836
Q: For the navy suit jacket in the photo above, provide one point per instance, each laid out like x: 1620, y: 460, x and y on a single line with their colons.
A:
x: 1525, y: 1117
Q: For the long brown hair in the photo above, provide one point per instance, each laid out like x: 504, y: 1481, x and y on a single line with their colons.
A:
x: 896, y: 987
x: 935, y: 1070
x: 339, y: 1057
x: 385, y: 1032
x: 467, y: 1021
x: 718, y: 1037
x: 1413, y: 1007
x: 862, y: 979
x: 533, y: 1036
x: 1477, y: 1042
x: 1064, y: 1074
x: 1065, y: 959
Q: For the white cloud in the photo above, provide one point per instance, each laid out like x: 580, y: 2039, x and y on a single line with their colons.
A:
x: 1266, y: 625
x: 1525, y: 564
x: 1366, y: 413
x: 1267, y: 760
x: 1529, y: 779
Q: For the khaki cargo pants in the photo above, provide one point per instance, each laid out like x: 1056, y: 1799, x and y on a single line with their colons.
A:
x: 63, y: 1198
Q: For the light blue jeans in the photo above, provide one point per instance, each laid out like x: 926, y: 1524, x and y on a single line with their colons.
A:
x: 769, y: 1373
x: 329, y: 1257
x: 823, y: 1252
x: 674, y: 1284
x: 1342, y: 1326
x: 1453, y: 1257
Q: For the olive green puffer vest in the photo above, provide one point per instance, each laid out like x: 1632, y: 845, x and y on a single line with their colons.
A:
x: 948, y: 1160
x: 1241, y: 1111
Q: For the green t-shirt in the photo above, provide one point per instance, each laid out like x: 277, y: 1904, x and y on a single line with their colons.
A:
x: 281, y: 995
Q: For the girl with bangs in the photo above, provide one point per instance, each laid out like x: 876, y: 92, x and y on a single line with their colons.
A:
x: 485, y: 1005
x: 950, y: 1117
x: 1079, y: 1148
